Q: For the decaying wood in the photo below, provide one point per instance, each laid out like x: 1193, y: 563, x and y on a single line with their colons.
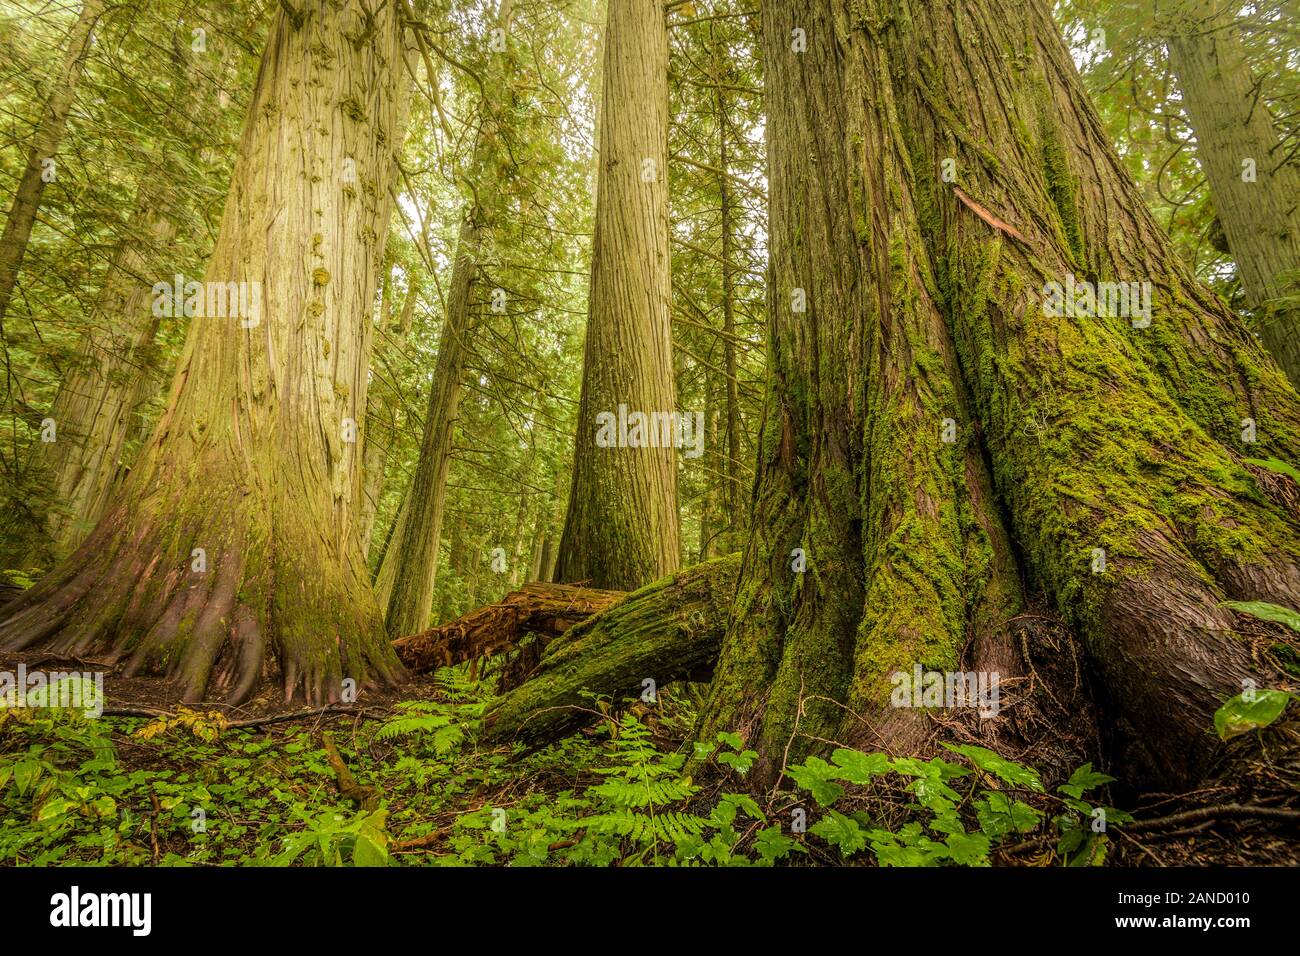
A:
x: 545, y: 610
x: 669, y: 630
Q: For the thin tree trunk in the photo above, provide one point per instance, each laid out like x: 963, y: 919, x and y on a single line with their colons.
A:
x: 45, y: 143
x: 731, y: 493
x: 622, y: 528
x: 409, y: 571
x: 232, y: 555
x: 1256, y: 195
x: 410, y: 566
x: 378, y: 439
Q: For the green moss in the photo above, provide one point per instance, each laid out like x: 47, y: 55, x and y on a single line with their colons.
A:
x: 1060, y: 184
x: 353, y: 110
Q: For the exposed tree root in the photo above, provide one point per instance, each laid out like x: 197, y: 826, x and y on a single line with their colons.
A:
x: 366, y: 798
x: 182, y: 587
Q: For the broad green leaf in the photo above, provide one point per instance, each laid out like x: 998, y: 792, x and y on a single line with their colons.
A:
x: 814, y: 776
x: 968, y: 849
x: 367, y: 852
x: 1009, y: 771
x: 1267, y: 612
x: 1241, y: 716
x: 54, y: 808
x: 772, y: 844
x: 739, y: 762
x: 858, y: 767
x: 25, y: 774
x: 841, y: 831
x: 1083, y: 779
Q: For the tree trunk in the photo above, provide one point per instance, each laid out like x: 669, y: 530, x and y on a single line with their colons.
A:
x: 908, y: 306
x: 731, y: 493
x: 108, y: 380
x: 1256, y: 193
x: 232, y: 554
x: 622, y: 527
x: 409, y: 571
x: 410, y: 566
x: 545, y: 610
x: 45, y: 143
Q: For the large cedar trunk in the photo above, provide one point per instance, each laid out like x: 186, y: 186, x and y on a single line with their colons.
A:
x: 1256, y: 192
x: 622, y: 528
x: 923, y: 300
x: 231, y: 554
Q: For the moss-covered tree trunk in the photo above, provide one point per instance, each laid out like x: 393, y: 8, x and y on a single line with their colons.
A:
x: 45, y: 143
x: 932, y: 170
x: 231, y: 554
x: 622, y: 527
x: 1256, y: 192
x: 668, y: 630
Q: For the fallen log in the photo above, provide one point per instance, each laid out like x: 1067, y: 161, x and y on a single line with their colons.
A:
x: 669, y: 630
x: 547, y: 610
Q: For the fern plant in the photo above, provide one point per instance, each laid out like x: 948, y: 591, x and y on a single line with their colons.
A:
x: 639, y: 789
x: 441, y: 725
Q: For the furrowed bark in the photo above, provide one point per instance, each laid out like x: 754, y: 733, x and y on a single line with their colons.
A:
x: 666, y: 631
x: 1109, y: 437
x: 932, y: 171
x: 875, y: 544
x: 622, y: 527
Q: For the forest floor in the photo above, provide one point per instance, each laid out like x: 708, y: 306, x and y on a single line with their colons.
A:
x: 398, y: 779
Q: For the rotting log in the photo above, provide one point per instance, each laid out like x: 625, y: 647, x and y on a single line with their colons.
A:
x: 669, y: 630
x: 546, y: 610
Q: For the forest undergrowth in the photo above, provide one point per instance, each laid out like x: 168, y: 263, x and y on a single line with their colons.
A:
x: 406, y: 784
